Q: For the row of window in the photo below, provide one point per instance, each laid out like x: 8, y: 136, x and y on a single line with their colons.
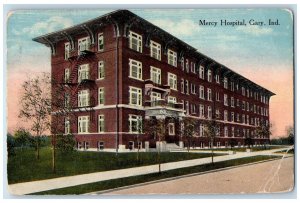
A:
x: 136, y: 41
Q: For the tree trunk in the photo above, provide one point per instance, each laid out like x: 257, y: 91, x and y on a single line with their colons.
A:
x: 54, y: 154
x: 37, y: 148
x: 212, y: 151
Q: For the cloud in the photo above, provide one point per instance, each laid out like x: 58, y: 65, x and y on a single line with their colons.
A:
x: 179, y: 28
x: 255, y: 30
x: 50, y: 25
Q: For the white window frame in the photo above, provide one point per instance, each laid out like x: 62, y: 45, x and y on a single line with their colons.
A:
x: 217, y: 77
x: 66, y: 100
x: 83, y: 124
x: 67, y: 75
x: 134, y: 37
x: 201, y: 111
x: 67, y: 126
x: 232, y: 117
x: 209, y: 76
x: 134, y: 119
x: 232, y: 102
x: 83, y: 44
x: 193, y: 67
x: 225, y: 131
x: 225, y: 100
x: 201, y: 92
x: 171, y: 128
x: 225, y: 82
x: 201, y: 72
x: 83, y: 98
x: 209, y: 94
x: 135, y: 69
x: 101, y: 96
x: 225, y: 115
x: 209, y: 112
x: 155, y: 96
x: 201, y: 133
x: 182, y: 84
x: 101, y: 70
x: 101, y: 123
x: 172, y: 81
x: 172, y: 57
x: 138, y: 94
x: 100, y: 41
x: 67, y: 50
x: 155, y: 50
x: 83, y: 72
x: 172, y: 100
x: 155, y: 75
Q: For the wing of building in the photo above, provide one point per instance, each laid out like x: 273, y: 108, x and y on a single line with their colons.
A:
x: 115, y: 72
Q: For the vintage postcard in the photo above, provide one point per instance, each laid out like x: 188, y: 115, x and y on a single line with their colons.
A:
x: 150, y: 101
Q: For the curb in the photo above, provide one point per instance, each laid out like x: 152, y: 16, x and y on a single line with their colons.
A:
x: 179, y: 177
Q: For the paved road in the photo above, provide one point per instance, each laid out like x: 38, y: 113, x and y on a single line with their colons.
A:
x: 272, y: 176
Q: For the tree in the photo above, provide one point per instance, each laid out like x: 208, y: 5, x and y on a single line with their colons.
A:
x: 211, y: 130
x: 264, y: 130
x: 157, y: 128
x: 290, y: 135
x: 10, y: 141
x: 22, y: 138
x: 232, y: 143
x: 36, y: 105
x: 188, y: 130
x: 249, y: 142
x: 140, y: 131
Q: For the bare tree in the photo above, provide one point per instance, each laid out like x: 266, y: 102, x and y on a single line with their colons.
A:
x: 211, y: 130
x: 264, y: 130
x: 36, y: 105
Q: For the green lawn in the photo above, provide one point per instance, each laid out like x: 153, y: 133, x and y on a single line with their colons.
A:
x: 24, y: 167
x: 243, y: 149
x: 105, y: 185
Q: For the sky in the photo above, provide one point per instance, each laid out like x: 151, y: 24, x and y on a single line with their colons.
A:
x: 264, y: 54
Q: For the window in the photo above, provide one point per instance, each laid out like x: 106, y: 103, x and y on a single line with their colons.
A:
x: 209, y: 76
x: 201, y: 130
x: 209, y: 112
x: 232, y: 86
x: 171, y: 128
x: 187, y: 66
x: 226, y: 131
x: 225, y: 83
x: 247, y: 106
x: 101, y: 70
x: 193, y: 108
x: 155, y: 75
x: 217, y: 96
x: 83, y: 98
x: 187, y: 86
x: 83, y: 72
x: 83, y: 44
x: 67, y: 126
x: 237, y: 102
x: 182, y: 63
x: 83, y: 124
x: 201, y: 72
x: 155, y: 96
x: 101, y: 96
x: 243, y: 105
x: 172, y: 58
x: 135, y: 41
x: 172, y: 100
x: 101, y: 123
x: 100, y: 145
x: 67, y: 50
x: 243, y: 119
x: 201, y: 111
x: 217, y: 113
x: 172, y: 81
x: 182, y: 85
x: 209, y: 97
x: 66, y: 100
x: 187, y: 107
x: 193, y: 67
x: 232, y: 102
x: 225, y: 115
x: 155, y: 50
x: 131, y: 145
x: 248, y: 119
x: 135, y: 123
x: 100, y: 42
x: 135, y: 96
x: 243, y: 91
x: 232, y: 116
x: 225, y: 100
x: 238, y: 117
x: 135, y: 69
x: 86, y: 145
x: 67, y: 75
x: 201, y: 92
x: 217, y: 76
x: 193, y: 88
x: 232, y: 131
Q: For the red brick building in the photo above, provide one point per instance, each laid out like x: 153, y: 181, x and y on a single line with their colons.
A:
x: 118, y: 70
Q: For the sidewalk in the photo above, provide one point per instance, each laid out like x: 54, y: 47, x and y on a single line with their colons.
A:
x: 56, y: 183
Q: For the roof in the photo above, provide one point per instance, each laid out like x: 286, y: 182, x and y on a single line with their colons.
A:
x: 124, y: 16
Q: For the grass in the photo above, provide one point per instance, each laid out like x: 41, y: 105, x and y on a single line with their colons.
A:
x: 243, y: 149
x: 25, y: 167
x: 105, y: 185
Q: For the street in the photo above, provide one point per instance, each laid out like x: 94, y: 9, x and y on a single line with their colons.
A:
x: 271, y: 176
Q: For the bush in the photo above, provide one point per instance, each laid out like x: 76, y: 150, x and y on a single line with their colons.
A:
x: 10, y: 141
x: 65, y: 143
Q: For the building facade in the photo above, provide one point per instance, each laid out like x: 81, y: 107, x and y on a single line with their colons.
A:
x: 118, y: 70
